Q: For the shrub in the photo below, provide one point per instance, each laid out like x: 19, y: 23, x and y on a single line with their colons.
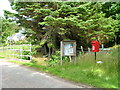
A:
x: 26, y: 53
x: 34, y: 51
x: 55, y: 59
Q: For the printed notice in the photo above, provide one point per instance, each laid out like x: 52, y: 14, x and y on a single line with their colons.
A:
x: 68, y: 49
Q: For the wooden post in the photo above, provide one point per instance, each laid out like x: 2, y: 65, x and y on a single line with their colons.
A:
x: 70, y: 58
x: 10, y: 49
x: 75, y: 53
x: 88, y: 49
x: 6, y: 50
x: 75, y: 60
x: 61, y: 53
x: 102, y: 47
x: 21, y: 52
x: 82, y: 49
x: 13, y: 51
x: 30, y: 52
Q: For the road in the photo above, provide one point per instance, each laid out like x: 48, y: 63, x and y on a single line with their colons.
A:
x: 17, y: 76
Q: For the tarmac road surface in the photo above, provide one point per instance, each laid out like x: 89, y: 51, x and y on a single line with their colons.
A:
x: 17, y: 76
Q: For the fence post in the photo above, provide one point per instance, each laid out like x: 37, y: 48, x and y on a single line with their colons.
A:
x: 13, y: 51
x: 61, y: 50
x: 10, y: 48
x: 6, y: 50
x: 30, y: 52
x: 102, y: 47
x: 2, y: 47
x: 70, y: 58
x: 82, y: 49
x: 75, y: 60
x: 21, y: 52
x: 88, y: 49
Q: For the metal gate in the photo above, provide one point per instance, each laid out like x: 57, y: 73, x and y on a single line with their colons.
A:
x: 22, y: 52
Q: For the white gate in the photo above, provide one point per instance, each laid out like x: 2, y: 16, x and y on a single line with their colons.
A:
x: 23, y: 52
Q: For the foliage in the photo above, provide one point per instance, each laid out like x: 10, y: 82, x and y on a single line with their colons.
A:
x: 22, y: 42
x: 56, y: 21
x: 8, y: 28
x: 55, y: 59
x: 42, y: 42
x: 34, y: 47
x: 30, y: 36
x: 50, y: 45
x: 117, y: 46
x: 111, y: 9
x: 26, y: 53
x: 0, y: 29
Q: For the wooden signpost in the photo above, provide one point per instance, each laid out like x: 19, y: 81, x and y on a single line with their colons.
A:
x: 68, y: 48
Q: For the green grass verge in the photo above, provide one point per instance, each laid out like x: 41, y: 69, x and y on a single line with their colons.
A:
x: 6, y: 53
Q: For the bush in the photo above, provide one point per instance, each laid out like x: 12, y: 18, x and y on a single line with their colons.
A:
x: 55, y: 59
x: 26, y: 53
x: 34, y: 51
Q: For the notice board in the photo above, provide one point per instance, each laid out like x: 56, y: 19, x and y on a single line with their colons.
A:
x: 68, y: 48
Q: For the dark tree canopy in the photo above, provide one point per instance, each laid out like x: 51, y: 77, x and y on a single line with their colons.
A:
x: 56, y: 21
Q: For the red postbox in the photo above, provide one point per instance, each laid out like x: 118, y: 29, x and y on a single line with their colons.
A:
x: 95, y: 46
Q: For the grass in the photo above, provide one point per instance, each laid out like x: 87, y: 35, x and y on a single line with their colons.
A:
x: 5, y: 52
x: 86, y: 71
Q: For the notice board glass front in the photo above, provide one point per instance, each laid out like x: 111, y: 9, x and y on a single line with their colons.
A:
x: 68, y: 48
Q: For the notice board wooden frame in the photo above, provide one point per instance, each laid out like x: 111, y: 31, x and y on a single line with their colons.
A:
x: 68, y: 46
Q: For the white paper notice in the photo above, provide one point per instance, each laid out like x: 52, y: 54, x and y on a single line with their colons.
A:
x: 68, y: 49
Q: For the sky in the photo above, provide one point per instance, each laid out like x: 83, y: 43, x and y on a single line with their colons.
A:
x: 4, y: 5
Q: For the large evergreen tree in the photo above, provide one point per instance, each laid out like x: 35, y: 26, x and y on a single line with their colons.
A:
x: 56, y: 21
x: 112, y: 9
